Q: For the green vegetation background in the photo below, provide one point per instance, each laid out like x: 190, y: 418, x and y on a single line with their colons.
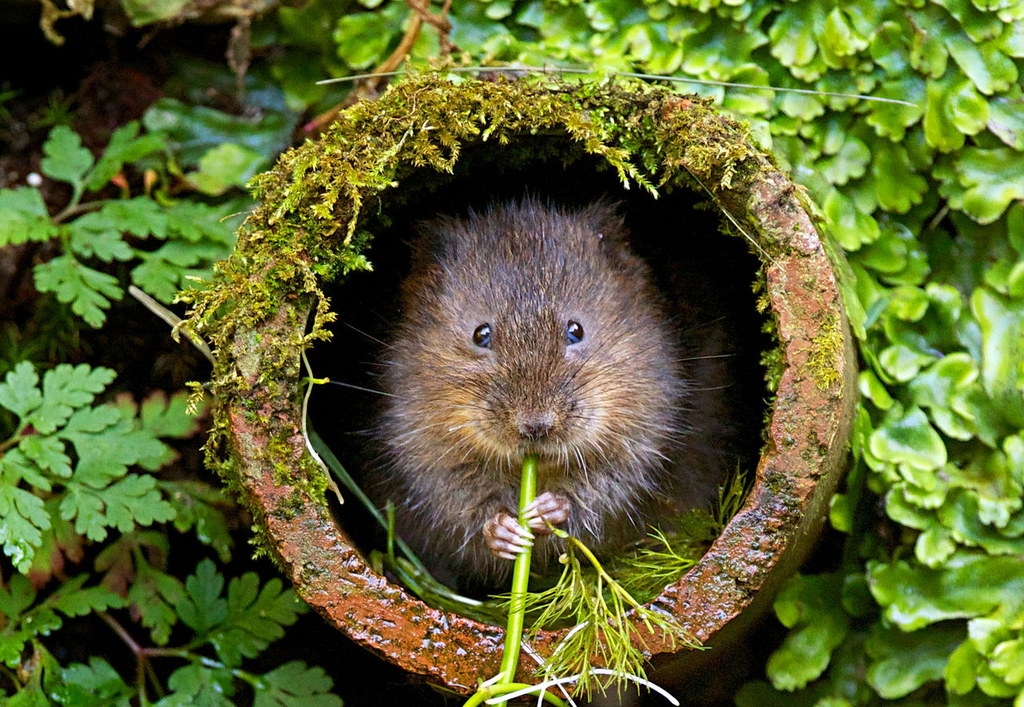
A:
x: 922, y: 596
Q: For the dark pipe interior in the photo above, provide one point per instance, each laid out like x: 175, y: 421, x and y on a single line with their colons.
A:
x: 706, y: 275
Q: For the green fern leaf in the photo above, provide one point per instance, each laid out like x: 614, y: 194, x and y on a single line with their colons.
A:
x: 124, y: 146
x: 23, y: 519
x: 23, y: 217
x: 66, y: 159
x: 92, y: 685
x: 199, y: 686
x: 88, y: 291
x: 294, y: 683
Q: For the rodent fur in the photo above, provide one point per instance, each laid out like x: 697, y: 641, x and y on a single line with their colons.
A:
x: 620, y: 407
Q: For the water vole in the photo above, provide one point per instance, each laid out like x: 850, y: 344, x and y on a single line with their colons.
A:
x: 533, y: 328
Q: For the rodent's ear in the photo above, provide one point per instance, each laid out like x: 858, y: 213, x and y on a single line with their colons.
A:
x: 425, y: 280
x: 604, y: 218
x: 426, y: 274
x: 427, y: 241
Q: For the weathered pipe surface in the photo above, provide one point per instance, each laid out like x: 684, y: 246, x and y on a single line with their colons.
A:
x: 807, y: 448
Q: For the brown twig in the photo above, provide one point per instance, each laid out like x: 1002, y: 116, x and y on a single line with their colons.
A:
x: 439, y: 22
x: 370, y: 87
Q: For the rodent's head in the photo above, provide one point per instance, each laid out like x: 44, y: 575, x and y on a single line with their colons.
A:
x: 529, y: 328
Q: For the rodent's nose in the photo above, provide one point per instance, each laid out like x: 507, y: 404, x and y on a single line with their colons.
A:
x: 535, y: 425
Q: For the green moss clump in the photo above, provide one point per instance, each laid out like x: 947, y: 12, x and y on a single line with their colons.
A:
x: 826, y: 351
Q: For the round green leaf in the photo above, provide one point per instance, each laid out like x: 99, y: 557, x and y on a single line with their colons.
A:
x: 909, y: 441
x: 985, y: 64
x: 906, y: 661
x: 934, y: 546
x: 898, y: 186
x: 902, y: 362
x: 362, y: 38
x: 968, y: 586
x: 939, y: 128
x: 873, y: 389
x: 849, y: 225
x: 962, y: 669
x: 888, y: 49
x: 225, y: 166
x: 968, y: 109
x: 1006, y: 117
x: 992, y: 178
x: 839, y: 39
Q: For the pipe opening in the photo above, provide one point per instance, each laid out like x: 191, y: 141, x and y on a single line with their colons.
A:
x: 705, y: 279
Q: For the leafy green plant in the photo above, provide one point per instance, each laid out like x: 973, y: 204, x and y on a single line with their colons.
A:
x: 192, y: 234
x: 97, y: 508
x: 76, y: 481
x: 78, y: 455
x: 232, y: 627
x: 223, y: 149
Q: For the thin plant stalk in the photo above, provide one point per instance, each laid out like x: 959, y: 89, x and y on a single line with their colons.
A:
x: 520, y: 580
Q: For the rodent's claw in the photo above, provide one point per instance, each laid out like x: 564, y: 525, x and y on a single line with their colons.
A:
x: 547, y: 508
x: 505, y: 537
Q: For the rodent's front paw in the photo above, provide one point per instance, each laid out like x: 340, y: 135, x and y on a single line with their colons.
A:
x: 505, y: 537
x: 547, y: 508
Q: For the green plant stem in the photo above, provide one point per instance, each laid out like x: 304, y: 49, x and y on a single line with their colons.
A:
x: 74, y: 208
x: 599, y: 568
x: 13, y: 441
x: 520, y: 580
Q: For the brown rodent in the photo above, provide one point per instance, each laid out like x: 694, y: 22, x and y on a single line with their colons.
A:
x: 533, y: 328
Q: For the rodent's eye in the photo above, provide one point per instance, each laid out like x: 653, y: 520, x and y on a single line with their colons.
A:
x: 573, y: 332
x: 482, y: 336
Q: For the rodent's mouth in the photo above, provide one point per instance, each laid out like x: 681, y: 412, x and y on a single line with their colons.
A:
x: 556, y: 445
x: 514, y: 448
x: 538, y: 448
x: 547, y: 449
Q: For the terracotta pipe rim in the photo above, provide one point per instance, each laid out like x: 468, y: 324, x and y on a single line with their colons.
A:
x: 808, y: 433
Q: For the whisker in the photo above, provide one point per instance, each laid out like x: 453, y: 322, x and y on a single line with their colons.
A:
x: 365, y: 390
x: 705, y: 357
x: 369, y: 336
